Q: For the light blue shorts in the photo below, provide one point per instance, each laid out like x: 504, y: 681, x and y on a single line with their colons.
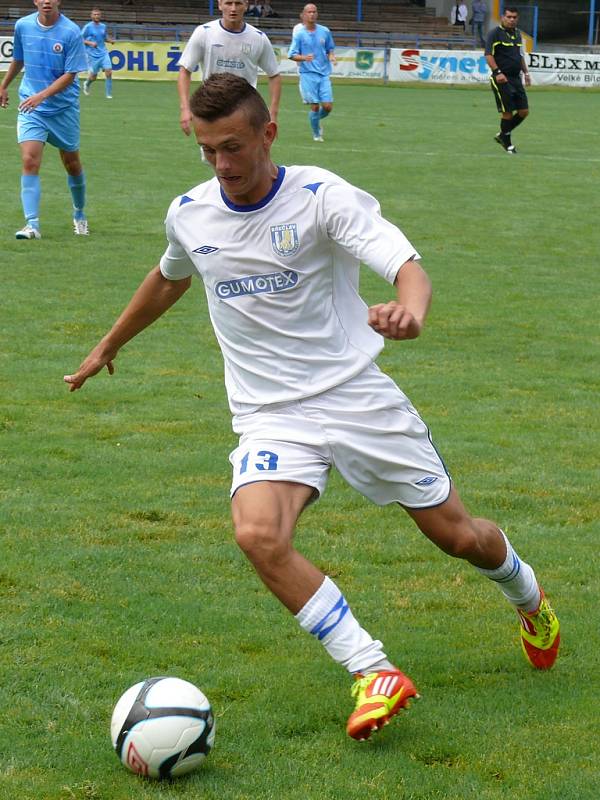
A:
x: 96, y: 63
x: 315, y: 88
x: 60, y: 130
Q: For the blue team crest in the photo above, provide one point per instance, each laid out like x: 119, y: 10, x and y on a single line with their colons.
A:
x: 284, y: 239
x: 57, y: 47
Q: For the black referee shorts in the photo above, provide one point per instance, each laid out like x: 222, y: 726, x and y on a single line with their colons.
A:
x: 510, y: 96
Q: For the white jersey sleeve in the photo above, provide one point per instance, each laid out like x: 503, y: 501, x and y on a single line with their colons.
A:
x: 175, y: 263
x: 193, y: 52
x: 353, y: 220
x: 268, y: 60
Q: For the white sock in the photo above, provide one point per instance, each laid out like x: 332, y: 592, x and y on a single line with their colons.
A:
x: 327, y: 616
x: 516, y: 579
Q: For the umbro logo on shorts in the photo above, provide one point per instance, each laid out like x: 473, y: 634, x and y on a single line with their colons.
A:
x: 205, y: 250
x: 426, y: 481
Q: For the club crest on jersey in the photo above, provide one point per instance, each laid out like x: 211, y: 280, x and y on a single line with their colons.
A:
x: 284, y: 239
x: 57, y: 47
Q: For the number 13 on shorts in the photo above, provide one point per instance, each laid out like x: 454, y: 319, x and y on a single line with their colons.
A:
x: 260, y: 460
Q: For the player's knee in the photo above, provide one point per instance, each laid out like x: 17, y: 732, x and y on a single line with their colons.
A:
x: 31, y: 164
x: 524, y: 112
x: 462, y: 542
x: 327, y: 107
x: 108, y: 73
x: 260, y: 539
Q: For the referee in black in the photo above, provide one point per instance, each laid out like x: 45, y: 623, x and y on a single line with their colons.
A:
x: 504, y: 55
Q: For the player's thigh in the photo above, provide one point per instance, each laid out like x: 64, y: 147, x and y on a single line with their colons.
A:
x: 520, y: 100
x: 503, y: 95
x: 94, y: 65
x: 279, y: 444
x: 32, y: 131
x: 266, y: 512
x: 379, y: 443
x: 64, y: 130
x: 32, y: 151
x: 309, y: 87
x: 325, y: 90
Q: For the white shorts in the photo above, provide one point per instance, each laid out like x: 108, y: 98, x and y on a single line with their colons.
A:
x: 366, y: 428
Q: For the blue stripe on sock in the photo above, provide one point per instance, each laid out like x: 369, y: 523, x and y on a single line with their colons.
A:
x: 516, y: 568
x: 329, y: 621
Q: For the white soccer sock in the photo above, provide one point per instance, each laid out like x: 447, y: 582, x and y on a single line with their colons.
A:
x: 327, y: 616
x: 516, y: 579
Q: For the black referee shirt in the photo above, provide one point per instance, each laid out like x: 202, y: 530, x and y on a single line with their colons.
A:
x: 505, y: 46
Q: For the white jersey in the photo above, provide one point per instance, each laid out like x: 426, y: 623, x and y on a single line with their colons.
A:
x: 281, y: 278
x: 215, y: 49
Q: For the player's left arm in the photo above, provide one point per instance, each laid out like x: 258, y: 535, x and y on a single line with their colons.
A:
x: 404, y: 317
x: 331, y: 49
x: 275, y: 95
x: 13, y: 70
x: 59, y: 85
x: 525, y: 68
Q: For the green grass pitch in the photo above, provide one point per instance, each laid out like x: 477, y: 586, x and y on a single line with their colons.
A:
x: 118, y: 560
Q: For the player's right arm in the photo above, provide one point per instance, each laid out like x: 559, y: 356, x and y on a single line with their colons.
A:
x: 154, y: 296
x: 192, y: 56
x: 11, y: 73
x: 497, y: 73
x: 184, y: 82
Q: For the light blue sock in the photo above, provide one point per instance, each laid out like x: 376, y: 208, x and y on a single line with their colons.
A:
x: 313, y: 117
x: 31, y: 191
x: 77, y: 187
x: 108, y: 86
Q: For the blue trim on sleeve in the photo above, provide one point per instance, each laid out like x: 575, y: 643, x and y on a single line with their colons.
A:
x: 261, y: 203
x: 313, y: 186
x: 185, y: 199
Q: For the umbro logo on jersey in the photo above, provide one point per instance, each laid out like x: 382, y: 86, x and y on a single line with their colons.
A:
x: 426, y: 481
x: 57, y: 47
x: 205, y: 250
x: 284, y: 239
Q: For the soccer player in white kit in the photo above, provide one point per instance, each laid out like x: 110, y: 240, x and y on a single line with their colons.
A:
x: 278, y: 250
x: 228, y: 44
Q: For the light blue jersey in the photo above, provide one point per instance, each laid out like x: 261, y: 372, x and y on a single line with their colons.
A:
x: 318, y: 42
x: 95, y: 32
x: 48, y: 53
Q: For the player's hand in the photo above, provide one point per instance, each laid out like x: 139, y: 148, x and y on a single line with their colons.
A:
x: 309, y: 57
x: 527, y: 79
x: 185, y: 122
x: 31, y: 102
x: 394, y: 321
x: 3, y: 98
x: 501, y: 78
x: 99, y: 358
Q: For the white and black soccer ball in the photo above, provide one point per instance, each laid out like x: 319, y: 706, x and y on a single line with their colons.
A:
x: 162, y: 727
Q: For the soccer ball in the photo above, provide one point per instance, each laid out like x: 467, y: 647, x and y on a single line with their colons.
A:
x: 162, y: 728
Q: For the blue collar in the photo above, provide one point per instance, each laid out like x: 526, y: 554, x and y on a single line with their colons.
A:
x: 227, y: 29
x: 261, y: 203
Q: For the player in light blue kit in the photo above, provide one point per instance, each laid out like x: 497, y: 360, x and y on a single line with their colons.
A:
x: 313, y: 49
x: 95, y: 37
x: 50, y: 47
